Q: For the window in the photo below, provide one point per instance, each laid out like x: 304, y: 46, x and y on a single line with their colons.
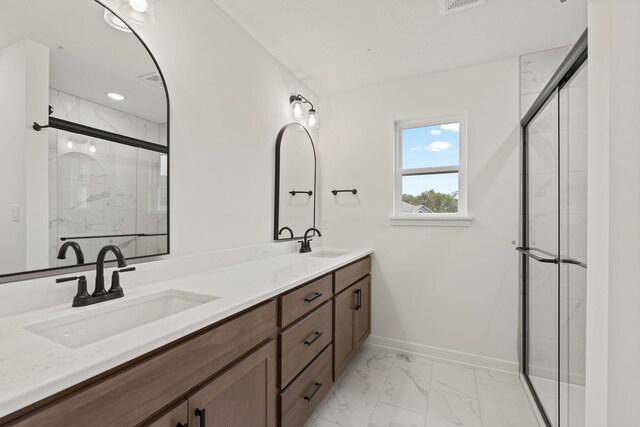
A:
x: 430, y: 171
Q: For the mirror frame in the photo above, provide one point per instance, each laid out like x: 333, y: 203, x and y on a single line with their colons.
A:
x: 276, y: 216
x: 56, y: 271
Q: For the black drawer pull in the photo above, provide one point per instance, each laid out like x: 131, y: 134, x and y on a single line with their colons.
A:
x: 312, y: 296
x: 312, y: 338
x: 309, y: 394
x: 358, y: 299
x: 182, y: 425
x: 201, y: 413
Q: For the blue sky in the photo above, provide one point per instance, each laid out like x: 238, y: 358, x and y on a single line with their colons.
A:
x: 427, y: 147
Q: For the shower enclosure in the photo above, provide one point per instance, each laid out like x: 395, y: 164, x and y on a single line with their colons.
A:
x: 554, y: 237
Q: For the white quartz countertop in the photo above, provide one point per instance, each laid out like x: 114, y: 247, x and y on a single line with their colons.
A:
x: 33, y: 367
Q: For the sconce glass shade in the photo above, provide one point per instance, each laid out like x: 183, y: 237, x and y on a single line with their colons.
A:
x: 140, y: 12
x: 312, y: 121
x: 296, y: 106
x: 115, y: 22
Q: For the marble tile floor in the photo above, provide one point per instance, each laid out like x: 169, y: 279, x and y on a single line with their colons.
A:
x: 382, y: 388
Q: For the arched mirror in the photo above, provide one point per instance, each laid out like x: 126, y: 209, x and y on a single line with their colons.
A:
x: 84, y: 137
x: 295, y: 198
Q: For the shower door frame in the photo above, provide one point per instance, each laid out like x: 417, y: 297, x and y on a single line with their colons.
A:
x: 569, y: 67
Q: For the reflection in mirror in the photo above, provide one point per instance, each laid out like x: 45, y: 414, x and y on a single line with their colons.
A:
x: 295, y: 182
x: 105, y: 193
x: 95, y: 170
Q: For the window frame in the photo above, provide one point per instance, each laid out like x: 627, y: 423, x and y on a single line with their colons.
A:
x: 460, y: 218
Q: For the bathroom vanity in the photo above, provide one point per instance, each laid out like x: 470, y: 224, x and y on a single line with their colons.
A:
x: 267, y: 357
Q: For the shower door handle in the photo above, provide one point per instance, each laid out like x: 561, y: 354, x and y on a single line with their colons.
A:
x: 527, y: 252
x: 574, y: 262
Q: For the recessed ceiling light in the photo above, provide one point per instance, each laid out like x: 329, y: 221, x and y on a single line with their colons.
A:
x: 115, y: 22
x: 115, y: 96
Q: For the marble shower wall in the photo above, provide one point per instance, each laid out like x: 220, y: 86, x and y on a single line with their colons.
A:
x: 71, y: 108
x: 98, y: 187
x: 535, y: 71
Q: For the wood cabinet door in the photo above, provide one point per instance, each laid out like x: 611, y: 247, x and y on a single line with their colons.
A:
x: 177, y: 416
x: 245, y: 395
x: 363, y: 310
x: 344, y: 345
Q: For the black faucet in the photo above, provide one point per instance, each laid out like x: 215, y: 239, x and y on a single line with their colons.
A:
x: 306, y: 244
x: 62, y: 253
x: 99, y: 294
x: 285, y: 228
x: 99, y: 289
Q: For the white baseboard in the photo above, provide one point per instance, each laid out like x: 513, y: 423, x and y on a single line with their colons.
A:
x: 444, y: 354
x: 552, y: 374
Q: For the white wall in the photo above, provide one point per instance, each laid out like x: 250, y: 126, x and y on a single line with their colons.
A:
x: 438, y: 290
x: 37, y: 156
x: 613, y: 289
x: 12, y: 182
x: 598, y: 212
x: 23, y: 165
x: 229, y: 98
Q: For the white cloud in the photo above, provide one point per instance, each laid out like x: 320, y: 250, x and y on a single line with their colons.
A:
x: 415, y: 148
x: 437, y: 146
x: 436, y: 131
x: 452, y: 127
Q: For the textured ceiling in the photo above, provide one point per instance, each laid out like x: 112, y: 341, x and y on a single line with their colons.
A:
x: 339, y: 45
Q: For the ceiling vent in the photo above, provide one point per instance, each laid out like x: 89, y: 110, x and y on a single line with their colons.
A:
x: 450, y: 6
x: 153, y: 79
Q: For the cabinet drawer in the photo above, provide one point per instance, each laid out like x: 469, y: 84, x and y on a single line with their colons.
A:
x: 134, y: 394
x: 352, y: 273
x: 301, y: 301
x: 301, y: 398
x: 179, y: 414
x: 302, y: 342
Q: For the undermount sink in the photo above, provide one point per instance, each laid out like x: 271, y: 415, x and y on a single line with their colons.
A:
x: 328, y: 254
x: 103, y: 321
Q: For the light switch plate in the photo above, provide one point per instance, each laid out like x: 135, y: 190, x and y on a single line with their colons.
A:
x: 15, y: 213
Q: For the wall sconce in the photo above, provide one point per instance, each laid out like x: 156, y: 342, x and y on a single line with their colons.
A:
x: 296, y: 102
x: 139, y: 12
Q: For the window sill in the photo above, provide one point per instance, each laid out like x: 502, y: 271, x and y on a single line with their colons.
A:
x: 447, y: 221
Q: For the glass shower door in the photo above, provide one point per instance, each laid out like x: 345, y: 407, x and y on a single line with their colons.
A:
x: 541, y: 266
x: 555, y: 245
x: 573, y: 248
